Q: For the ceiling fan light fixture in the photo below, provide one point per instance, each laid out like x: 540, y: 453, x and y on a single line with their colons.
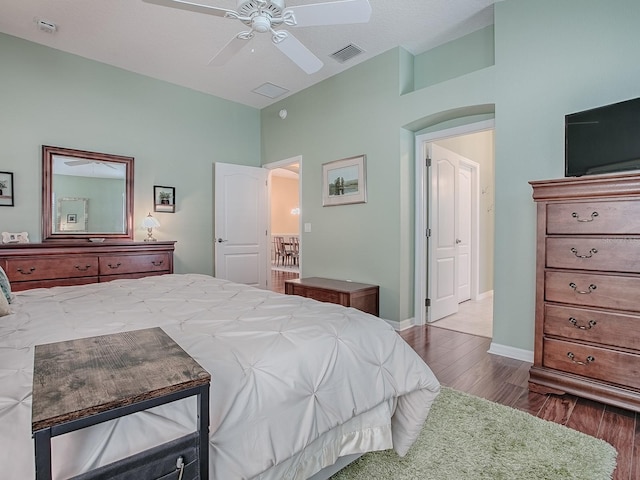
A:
x: 261, y: 24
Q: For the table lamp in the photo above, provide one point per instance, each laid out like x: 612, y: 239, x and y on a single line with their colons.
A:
x: 150, y: 223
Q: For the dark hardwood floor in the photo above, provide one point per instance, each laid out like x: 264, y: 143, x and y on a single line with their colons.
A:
x: 278, y: 278
x: 461, y: 361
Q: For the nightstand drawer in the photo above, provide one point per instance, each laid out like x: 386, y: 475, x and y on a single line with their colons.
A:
x: 611, y: 254
x: 593, y: 362
x: 594, y: 217
x: 604, y: 291
x: 596, y: 326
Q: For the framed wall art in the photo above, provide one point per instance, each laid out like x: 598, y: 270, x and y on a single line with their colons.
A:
x: 6, y: 189
x: 344, y: 181
x: 164, y: 199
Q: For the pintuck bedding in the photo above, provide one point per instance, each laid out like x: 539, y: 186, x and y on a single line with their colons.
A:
x: 295, y: 383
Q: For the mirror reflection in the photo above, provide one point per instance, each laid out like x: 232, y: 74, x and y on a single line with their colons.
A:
x: 72, y: 214
x: 100, y: 183
x: 87, y: 194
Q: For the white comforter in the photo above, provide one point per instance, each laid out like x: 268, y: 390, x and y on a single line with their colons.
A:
x: 295, y: 383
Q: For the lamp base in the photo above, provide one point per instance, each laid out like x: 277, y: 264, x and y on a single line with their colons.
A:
x: 150, y: 236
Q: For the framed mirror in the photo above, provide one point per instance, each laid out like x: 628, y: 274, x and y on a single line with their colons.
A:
x: 86, y: 195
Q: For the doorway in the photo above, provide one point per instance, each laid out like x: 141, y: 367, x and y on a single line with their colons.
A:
x: 285, y: 195
x: 462, y: 259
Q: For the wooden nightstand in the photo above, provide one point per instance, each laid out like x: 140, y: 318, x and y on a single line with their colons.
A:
x: 362, y: 296
x: 74, y: 387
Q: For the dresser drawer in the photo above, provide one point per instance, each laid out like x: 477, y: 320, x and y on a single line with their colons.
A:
x: 611, y: 254
x: 123, y: 264
x: 604, y: 291
x: 30, y: 269
x: 594, y: 217
x: 593, y: 362
x: 596, y: 326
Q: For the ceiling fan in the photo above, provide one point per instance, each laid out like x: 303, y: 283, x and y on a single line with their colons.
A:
x: 263, y: 16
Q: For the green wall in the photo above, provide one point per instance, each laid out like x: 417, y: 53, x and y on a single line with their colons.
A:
x: 550, y: 58
x: 175, y: 134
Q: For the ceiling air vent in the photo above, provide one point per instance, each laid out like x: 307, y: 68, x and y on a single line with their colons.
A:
x: 270, y: 90
x: 346, y: 53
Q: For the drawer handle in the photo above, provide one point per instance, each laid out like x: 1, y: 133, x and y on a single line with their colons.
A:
x: 590, y: 219
x: 590, y: 359
x: 113, y: 267
x: 82, y: 269
x: 157, y: 263
x: 574, y: 322
x: 32, y: 269
x: 591, y: 253
x: 592, y: 287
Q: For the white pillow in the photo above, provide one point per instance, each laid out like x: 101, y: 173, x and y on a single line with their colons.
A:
x: 5, y: 286
x: 4, y: 306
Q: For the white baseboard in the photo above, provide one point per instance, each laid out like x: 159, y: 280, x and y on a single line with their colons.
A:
x: 402, y: 324
x: 511, y: 352
x: 483, y: 295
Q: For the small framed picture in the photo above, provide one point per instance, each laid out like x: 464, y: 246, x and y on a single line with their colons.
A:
x: 344, y: 181
x: 164, y: 199
x: 72, y: 218
x: 6, y: 189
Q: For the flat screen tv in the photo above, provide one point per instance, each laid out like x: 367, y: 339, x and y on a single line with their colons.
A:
x: 603, y: 140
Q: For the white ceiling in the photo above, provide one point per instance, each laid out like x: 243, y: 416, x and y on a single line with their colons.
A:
x: 176, y: 45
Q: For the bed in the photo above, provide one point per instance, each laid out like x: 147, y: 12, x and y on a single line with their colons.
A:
x: 296, y: 383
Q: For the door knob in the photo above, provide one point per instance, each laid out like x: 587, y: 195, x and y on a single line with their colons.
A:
x: 220, y: 240
x: 458, y: 241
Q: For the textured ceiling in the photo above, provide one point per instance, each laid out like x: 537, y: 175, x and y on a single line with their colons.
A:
x: 176, y: 45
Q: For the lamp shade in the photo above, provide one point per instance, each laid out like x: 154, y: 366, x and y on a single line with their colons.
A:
x: 150, y: 222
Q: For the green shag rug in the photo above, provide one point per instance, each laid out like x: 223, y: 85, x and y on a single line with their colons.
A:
x: 468, y: 438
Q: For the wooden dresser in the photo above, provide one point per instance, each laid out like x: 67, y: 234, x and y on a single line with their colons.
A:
x: 362, y: 296
x: 587, y: 327
x: 41, y: 265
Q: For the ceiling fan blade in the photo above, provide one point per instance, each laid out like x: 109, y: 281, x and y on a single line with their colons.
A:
x: 299, y: 54
x: 192, y: 7
x: 229, y: 50
x: 73, y: 163
x: 332, y: 13
x: 77, y: 163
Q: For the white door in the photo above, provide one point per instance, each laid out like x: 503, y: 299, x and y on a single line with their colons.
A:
x: 240, y: 223
x: 443, y: 267
x: 449, y: 246
x: 463, y: 236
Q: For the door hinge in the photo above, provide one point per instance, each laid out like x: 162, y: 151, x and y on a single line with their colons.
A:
x: 427, y: 302
x: 427, y: 161
x: 428, y: 233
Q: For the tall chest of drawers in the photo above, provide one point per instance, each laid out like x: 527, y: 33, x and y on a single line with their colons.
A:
x: 587, y: 326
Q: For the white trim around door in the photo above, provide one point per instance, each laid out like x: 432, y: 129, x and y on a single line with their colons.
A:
x: 421, y: 213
